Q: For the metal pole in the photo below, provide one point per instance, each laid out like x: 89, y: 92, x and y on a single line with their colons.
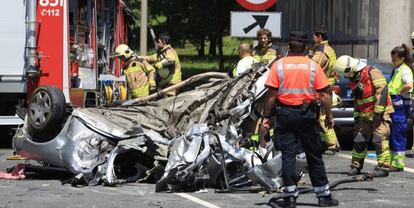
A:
x: 31, y: 38
x: 143, y: 31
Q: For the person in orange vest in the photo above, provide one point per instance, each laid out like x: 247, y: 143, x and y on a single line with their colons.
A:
x: 297, y: 84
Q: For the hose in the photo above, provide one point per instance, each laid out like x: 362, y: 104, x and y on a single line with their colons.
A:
x: 188, y: 81
x: 332, y: 185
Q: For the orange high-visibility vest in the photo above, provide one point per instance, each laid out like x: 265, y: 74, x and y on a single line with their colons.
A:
x: 297, y: 78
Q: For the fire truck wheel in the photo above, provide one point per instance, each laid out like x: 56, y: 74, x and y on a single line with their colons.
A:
x: 46, y: 113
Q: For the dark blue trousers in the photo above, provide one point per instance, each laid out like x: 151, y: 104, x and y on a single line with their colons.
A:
x: 292, y: 126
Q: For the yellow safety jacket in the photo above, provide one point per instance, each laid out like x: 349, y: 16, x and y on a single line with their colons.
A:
x: 138, y: 78
x: 265, y: 54
x: 325, y: 55
x: 396, y: 84
x: 167, y: 66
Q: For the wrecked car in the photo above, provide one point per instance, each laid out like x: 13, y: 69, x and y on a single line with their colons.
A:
x: 195, y: 139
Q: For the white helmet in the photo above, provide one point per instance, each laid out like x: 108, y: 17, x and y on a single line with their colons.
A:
x: 123, y: 50
x: 346, y: 66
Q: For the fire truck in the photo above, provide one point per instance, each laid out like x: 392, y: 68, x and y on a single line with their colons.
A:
x: 56, y: 55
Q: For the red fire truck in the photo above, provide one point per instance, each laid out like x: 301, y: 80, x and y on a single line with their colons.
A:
x: 57, y: 54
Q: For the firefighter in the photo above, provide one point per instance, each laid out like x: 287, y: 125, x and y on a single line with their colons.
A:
x: 264, y: 51
x: 246, y: 60
x: 295, y: 82
x: 166, y: 63
x: 325, y: 55
x: 139, y: 77
x: 371, y: 114
x: 400, y: 88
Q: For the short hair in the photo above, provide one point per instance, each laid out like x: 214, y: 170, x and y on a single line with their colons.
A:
x: 245, y: 47
x: 321, y: 31
x: 164, y: 37
x: 266, y: 32
x: 297, y: 41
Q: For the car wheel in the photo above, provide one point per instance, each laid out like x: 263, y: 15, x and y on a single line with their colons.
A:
x: 46, y: 113
x: 410, y: 134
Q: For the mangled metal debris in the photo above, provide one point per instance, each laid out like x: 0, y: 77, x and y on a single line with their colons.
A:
x: 181, y: 143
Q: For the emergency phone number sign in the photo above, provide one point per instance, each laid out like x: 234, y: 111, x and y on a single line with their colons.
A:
x: 52, y: 8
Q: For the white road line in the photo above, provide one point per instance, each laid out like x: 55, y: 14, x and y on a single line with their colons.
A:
x: 370, y: 161
x: 197, y: 200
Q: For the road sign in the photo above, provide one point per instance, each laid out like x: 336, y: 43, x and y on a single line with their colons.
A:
x: 256, y: 5
x: 246, y: 24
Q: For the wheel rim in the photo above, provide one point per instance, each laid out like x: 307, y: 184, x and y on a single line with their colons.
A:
x: 40, y: 108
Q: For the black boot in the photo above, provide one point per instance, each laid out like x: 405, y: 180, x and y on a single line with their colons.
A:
x: 290, y: 202
x: 354, y: 171
x: 327, y: 201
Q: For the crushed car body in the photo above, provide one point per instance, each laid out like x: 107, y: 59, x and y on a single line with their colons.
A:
x: 191, y: 140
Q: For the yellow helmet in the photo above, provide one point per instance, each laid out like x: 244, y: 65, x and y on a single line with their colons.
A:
x: 123, y: 50
x: 346, y: 66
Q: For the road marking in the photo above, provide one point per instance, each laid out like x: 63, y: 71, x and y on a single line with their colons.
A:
x: 197, y: 200
x: 371, y: 161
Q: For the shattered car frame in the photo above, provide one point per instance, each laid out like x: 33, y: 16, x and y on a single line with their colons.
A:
x: 179, y: 142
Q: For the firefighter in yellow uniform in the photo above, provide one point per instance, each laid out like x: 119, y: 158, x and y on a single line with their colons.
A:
x: 325, y: 55
x: 264, y: 51
x: 372, y: 112
x: 139, y: 77
x: 166, y: 63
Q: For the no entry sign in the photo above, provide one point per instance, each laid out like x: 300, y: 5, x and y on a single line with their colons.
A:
x: 256, y: 5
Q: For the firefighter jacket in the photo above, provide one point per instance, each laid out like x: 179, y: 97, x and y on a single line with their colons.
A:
x: 264, y: 54
x: 138, y: 77
x: 167, y: 66
x: 325, y: 55
x: 371, y: 95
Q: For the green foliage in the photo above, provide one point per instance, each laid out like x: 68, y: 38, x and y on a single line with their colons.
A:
x: 199, y: 30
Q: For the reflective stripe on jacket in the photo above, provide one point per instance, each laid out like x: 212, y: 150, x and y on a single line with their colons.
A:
x: 168, y: 66
x: 371, y: 85
x: 297, y: 78
x: 265, y: 54
x: 326, y: 57
x: 137, y: 79
x: 396, y: 83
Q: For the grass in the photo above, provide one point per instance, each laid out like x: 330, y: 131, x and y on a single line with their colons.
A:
x: 191, y: 64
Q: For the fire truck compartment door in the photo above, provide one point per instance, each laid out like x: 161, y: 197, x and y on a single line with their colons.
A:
x: 12, y: 40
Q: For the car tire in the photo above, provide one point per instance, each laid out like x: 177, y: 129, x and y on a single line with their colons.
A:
x: 46, y: 113
x: 410, y: 133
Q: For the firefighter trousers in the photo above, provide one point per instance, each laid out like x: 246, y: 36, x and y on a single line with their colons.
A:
x: 328, y: 135
x: 363, y: 131
x: 293, y: 125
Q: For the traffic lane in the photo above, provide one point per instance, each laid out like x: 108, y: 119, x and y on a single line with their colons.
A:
x: 382, y: 192
x: 392, y: 191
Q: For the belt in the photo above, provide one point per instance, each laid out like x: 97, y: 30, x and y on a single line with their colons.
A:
x: 290, y: 106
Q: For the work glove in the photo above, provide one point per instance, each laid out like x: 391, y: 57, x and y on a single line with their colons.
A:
x: 264, y: 128
x: 152, y: 85
x: 376, y: 121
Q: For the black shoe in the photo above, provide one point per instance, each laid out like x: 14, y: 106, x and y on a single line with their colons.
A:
x: 327, y: 201
x: 290, y: 202
x: 354, y: 171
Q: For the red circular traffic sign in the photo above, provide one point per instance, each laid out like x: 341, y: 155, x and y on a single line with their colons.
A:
x: 256, y: 5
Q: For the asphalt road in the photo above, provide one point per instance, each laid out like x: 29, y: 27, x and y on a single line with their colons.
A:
x: 46, y: 191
